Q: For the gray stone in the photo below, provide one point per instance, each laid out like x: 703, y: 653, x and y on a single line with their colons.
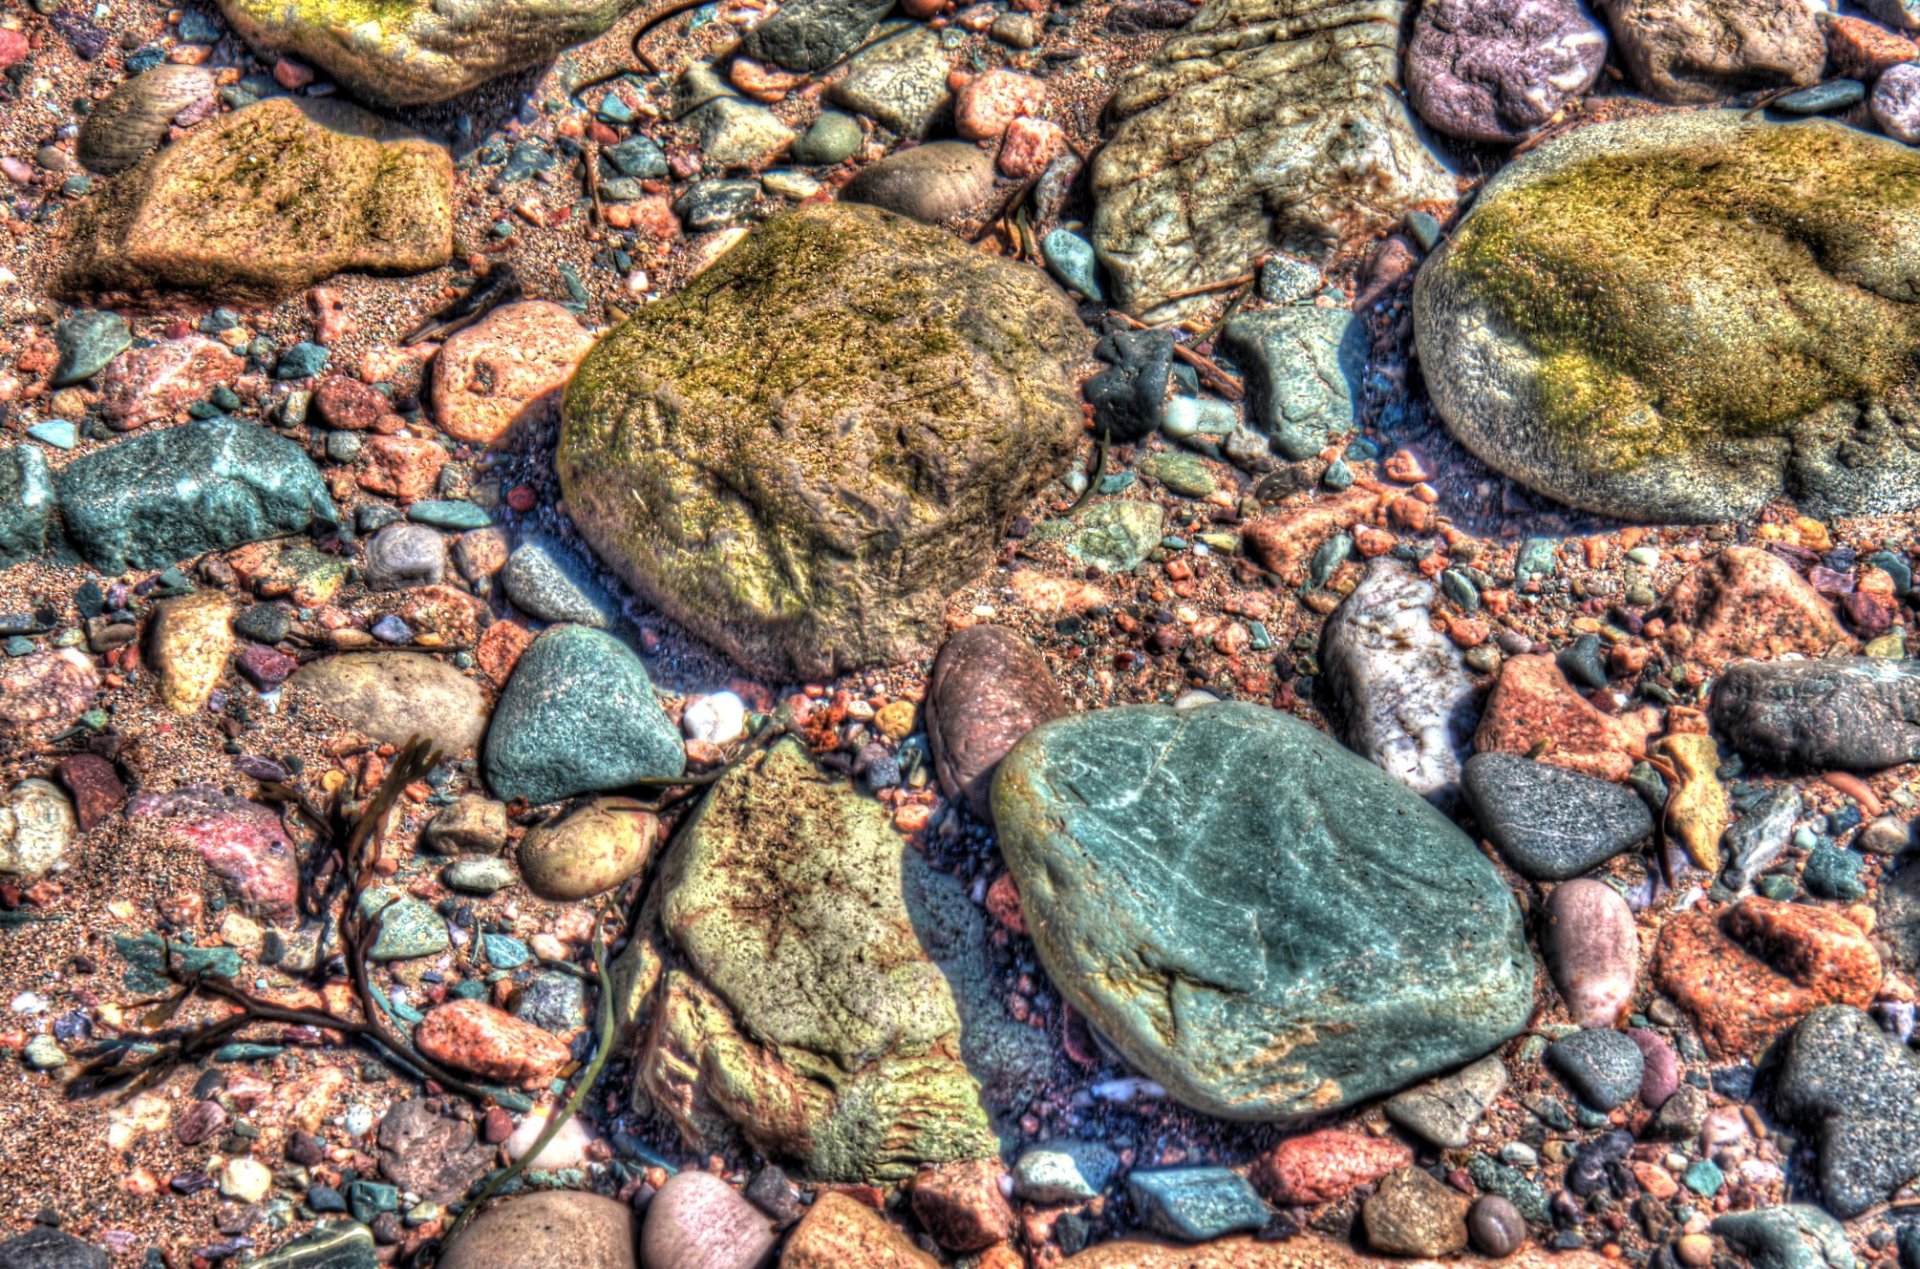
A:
x: 487, y: 875
x: 1064, y: 1172
x: 403, y: 556
x: 1602, y: 1066
x: 1896, y: 102
x: 43, y: 1248
x: 1397, y: 690
x: 1070, y: 258
x: 329, y: 1245
x: 832, y: 138
x: 1201, y: 881
x: 1196, y: 1205
x: 811, y: 35
x: 900, y: 81
x: 548, y: 580
x: 409, y: 929
x: 474, y: 822
x: 26, y: 504
x: 549, y: 1229
x: 393, y: 696
x: 930, y: 183
x: 1760, y: 836
x: 1903, y: 15
x: 1114, y: 535
x: 578, y: 716
x: 1494, y: 70
x: 88, y: 340
x: 1303, y: 367
x: 1262, y: 124
x: 737, y: 134
x: 1856, y: 1090
x: 1851, y: 713
x: 1551, y: 823
x: 1793, y: 1237
x: 1443, y: 1112
x: 166, y: 496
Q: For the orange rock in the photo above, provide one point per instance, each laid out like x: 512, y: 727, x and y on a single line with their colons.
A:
x: 1750, y: 603
x: 838, y: 1232
x: 1028, y: 145
x: 1532, y: 703
x: 1748, y: 973
x: 500, y: 649
x: 1861, y: 50
x: 474, y: 1037
x: 1284, y: 541
x: 403, y: 467
x: 1323, y: 1166
x: 504, y: 368
x: 960, y: 1204
x: 1055, y: 596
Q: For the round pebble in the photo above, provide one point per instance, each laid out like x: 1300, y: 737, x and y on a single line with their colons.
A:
x: 1495, y: 1226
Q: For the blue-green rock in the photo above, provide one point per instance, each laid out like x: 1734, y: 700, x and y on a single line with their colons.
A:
x: 166, y: 496
x: 1070, y: 258
x: 26, y: 504
x: 1257, y: 918
x: 1793, y: 1237
x: 1114, y: 536
x: 1603, y: 1067
x: 1196, y: 1204
x: 408, y: 927
x: 450, y: 514
x: 333, y: 1245
x: 1303, y: 367
x: 578, y: 716
x: 88, y: 341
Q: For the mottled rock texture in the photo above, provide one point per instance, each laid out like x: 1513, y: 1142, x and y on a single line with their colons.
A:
x: 1853, y: 713
x: 1494, y: 70
x: 1697, y: 51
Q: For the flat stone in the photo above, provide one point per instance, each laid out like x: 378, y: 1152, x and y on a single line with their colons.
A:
x: 1064, y: 1172
x: 546, y: 579
x: 1115, y: 535
x: 900, y: 81
x: 160, y: 383
x: 507, y: 369
x: 1856, y: 1090
x: 1532, y: 702
x: 329, y: 1245
x: 1443, y: 1112
x: 1551, y: 824
x: 1850, y: 713
x: 1748, y: 602
x: 1411, y: 1214
x: 138, y: 114
x: 472, y: 1036
x: 432, y: 1155
x: 832, y: 138
x: 1602, y: 1067
x: 1760, y: 836
x: 1397, y: 690
x: 404, y: 555
x: 1494, y: 71
x: 591, y: 851
x: 697, y: 1219
x: 394, y: 696
x: 43, y: 1248
x: 162, y: 497
x: 1384, y: 955
x: 1195, y: 1204
x: 1303, y: 367
x: 549, y: 1229
x: 1798, y: 1236
x: 811, y: 35
x: 480, y: 876
x: 961, y: 1206
x: 1697, y: 54
x: 1302, y: 1251
x: 87, y: 341
x: 1325, y: 1166
x: 409, y: 929
x: 1895, y: 103
x: 26, y: 504
x: 189, y: 639
x: 840, y: 1231
x: 930, y: 183
x: 579, y: 715
x: 988, y: 688
x: 37, y: 827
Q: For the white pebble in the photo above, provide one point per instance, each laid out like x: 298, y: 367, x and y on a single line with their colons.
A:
x: 568, y: 1149
x: 246, y: 1179
x: 718, y: 719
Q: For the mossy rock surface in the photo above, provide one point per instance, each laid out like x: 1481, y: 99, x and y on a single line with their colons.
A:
x: 410, y: 52
x: 807, y: 450
x: 268, y: 200
x: 1680, y: 317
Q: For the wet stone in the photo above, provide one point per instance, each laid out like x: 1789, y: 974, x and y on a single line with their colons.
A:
x: 1195, y: 1204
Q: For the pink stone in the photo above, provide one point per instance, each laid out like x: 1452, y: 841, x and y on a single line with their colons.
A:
x: 1322, y: 1166
x: 241, y: 841
x: 473, y: 1036
x: 504, y: 368
x: 266, y: 668
x: 1028, y: 146
x: 13, y: 48
x: 1592, y: 950
x: 1661, y: 1078
x: 153, y: 385
x: 988, y: 103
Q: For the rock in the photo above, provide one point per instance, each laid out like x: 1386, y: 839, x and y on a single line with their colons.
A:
x: 37, y: 825
x: 1493, y: 71
x: 1130, y: 399
x: 402, y: 556
x: 346, y: 191
x: 1671, y: 417
x: 548, y: 1229
x: 1752, y: 971
x: 1532, y: 702
x: 1325, y: 1166
x: 400, y: 466
x: 1860, y: 50
x: 1760, y: 836
x: 1696, y: 811
x: 409, y: 929
x: 900, y: 81
x: 1397, y: 690
x: 1694, y: 52
x: 1495, y: 1227
x: 990, y: 101
x: 243, y: 842
x: 1601, y: 1066
x: 42, y: 692
x: 960, y: 1204
x: 1793, y: 1237
x: 839, y: 1231
x: 829, y: 1024
x: 429, y: 1154
x: 474, y: 1037
x: 1071, y: 260
x: 1592, y: 950
x: 1895, y: 103
x: 507, y: 367
x: 1751, y: 603
x: 1401, y: 945
x: 832, y: 138
x: 43, y: 1248
x: 811, y: 35
x: 415, y: 52
x: 987, y: 689
x: 737, y: 134
x: 131, y: 121
x: 473, y: 822
x: 1851, y: 713
x: 548, y: 580
x: 167, y: 496
x: 88, y: 340
x: 928, y: 183
x: 1443, y: 1112
x: 792, y: 558
x: 157, y: 384
x: 188, y: 643
x: 698, y: 1220
x: 26, y: 504
x: 1269, y: 124
x: 394, y: 696
x: 1303, y: 367
x: 1114, y: 536
x: 1411, y: 1214
x: 1551, y: 824
x: 1195, y: 1204
x: 1661, y: 1079
x: 578, y: 716
x: 591, y: 851
x: 486, y: 875
x: 1303, y: 1251
x: 330, y: 1245
x: 1857, y: 1091
x: 95, y: 786
x: 1064, y: 1172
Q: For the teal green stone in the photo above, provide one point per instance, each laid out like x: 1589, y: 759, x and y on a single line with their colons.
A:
x: 408, y: 927
x: 1196, y: 1204
x: 334, y: 1245
x: 1536, y: 559
x: 26, y: 504
x: 1258, y: 919
x: 578, y: 716
x: 146, y: 963
x: 1793, y: 1237
x: 1303, y: 368
x: 88, y: 341
x: 1832, y: 873
x: 450, y: 514
x: 170, y: 495
x: 1510, y: 1184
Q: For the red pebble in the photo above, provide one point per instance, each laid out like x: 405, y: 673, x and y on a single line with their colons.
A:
x: 520, y: 498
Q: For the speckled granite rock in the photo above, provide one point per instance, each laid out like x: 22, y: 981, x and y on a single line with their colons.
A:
x: 1857, y: 1090
x: 26, y: 504
x: 1851, y: 713
x: 1494, y: 70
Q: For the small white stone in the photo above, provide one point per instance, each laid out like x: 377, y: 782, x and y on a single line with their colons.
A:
x: 718, y: 719
x: 36, y: 825
x: 246, y: 1179
x: 568, y: 1149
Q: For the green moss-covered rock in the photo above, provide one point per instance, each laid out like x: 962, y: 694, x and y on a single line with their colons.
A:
x: 1259, y: 919
x: 832, y: 1006
x: 804, y: 452
x: 409, y: 52
x: 1682, y: 316
x: 266, y: 200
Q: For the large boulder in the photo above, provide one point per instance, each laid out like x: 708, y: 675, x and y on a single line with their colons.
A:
x: 1263, y: 922
x: 803, y: 453
x: 1679, y: 317
x: 1261, y: 124
x: 408, y: 52
x: 267, y: 200
x: 1708, y: 50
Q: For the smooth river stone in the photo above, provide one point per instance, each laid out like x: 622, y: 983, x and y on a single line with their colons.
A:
x: 1261, y: 921
x: 1592, y: 950
x: 988, y: 688
x: 1854, y: 713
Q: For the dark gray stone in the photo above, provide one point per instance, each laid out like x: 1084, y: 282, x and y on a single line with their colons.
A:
x: 1494, y: 70
x: 811, y: 35
x: 1603, y: 1067
x: 88, y: 340
x: 49, y: 1249
x: 1851, y: 713
x: 1196, y: 1204
x: 1857, y: 1090
x: 26, y: 504
x: 430, y: 1154
x: 1127, y: 398
x: 1550, y: 823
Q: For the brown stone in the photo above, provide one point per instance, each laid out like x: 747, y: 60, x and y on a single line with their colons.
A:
x: 1749, y: 972
x: 1412, y: 1214
x: 95, y: 786
x: 157, y: 384
x: 1533, y: 705
x: 1708, y: 50
x: 188, y: 644
x: 960, y: 1204
x: 548, y: 1229
x: 509, y: 365
x: 1322, y: 1166
x: 1859, y: 49
x: 474, y: 1037
x: 839, y: 1232
x: 349, y: 405
x: 403, y: 467
x: 1751, y: 603
x: 1309, y: 1251
x: 988, y: 688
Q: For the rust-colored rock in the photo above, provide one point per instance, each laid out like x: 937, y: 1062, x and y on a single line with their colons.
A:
x: 1858, y: 49
x: 472, y: 1036
x: 352, y: 406
x: 1323, y: 1166
x: 156, y: 384
x: 840, y: 1232
x: 403, y: 467
x: 1532, y: 704
x: 95, y: 787
x: 1748, y: 973
x: 1750, y: 603
x: 510, y: 363
x: 987, y: 690
x: 1284, y: 541
x: 960, y: 1204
